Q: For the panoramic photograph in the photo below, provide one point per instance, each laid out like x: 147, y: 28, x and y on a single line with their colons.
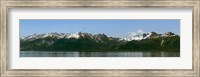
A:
x: 99, y: 38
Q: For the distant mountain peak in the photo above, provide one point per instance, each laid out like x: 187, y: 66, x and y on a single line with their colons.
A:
x: 168, y: 34
x: 139, y: 35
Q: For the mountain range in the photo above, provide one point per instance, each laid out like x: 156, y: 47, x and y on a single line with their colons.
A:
x: 82, y: 41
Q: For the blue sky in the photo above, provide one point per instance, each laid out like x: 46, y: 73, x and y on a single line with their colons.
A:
x: 115, y: 28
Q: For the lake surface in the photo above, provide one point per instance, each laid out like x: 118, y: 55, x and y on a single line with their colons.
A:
x: 99, y: 54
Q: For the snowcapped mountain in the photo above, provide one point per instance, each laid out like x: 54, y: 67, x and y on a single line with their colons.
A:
x: 139, y: 35
x: 82, y: 41
x: 97, y: 37
x: 55, y: 34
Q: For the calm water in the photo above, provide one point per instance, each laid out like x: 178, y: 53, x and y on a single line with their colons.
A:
x: 98, y: 54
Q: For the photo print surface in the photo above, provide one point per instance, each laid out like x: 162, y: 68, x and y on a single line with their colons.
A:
x: 99, y: 38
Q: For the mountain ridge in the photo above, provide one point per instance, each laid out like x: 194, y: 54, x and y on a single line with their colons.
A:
x: 137, y: 36
x: 100, y: 42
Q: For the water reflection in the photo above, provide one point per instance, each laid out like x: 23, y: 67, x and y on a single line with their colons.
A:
x: 99, y: 54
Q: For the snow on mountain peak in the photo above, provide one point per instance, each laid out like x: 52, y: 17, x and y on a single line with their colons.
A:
x: 138, y: 35
x: 75, y: 35
x: 168, y: 34
x: 55, y: 34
